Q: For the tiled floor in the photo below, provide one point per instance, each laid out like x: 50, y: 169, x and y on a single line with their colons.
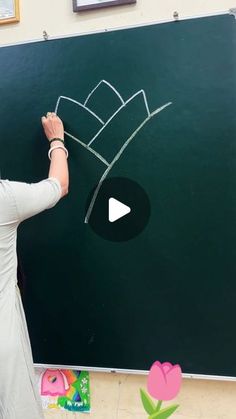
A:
x: 116, y: 396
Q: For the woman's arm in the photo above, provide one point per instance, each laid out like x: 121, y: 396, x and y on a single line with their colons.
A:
x: 53, y: 128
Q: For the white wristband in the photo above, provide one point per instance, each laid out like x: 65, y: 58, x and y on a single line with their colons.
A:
x: 54, y: 148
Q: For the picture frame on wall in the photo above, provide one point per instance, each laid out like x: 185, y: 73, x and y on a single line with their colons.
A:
x: 9, y: 11
x: 80, y: 5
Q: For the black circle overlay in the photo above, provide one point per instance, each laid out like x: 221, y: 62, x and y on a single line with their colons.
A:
x: 129, y: 193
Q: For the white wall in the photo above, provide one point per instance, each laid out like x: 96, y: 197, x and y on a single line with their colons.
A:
x: 57, y: 17
x: 115, y: 396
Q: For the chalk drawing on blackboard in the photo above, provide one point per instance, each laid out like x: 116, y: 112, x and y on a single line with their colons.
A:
x: 79, y: 104
x: 110, y: 86
x: 106, y: 121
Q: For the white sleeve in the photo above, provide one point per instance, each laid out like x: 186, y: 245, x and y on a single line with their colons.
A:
x: 33, y: 198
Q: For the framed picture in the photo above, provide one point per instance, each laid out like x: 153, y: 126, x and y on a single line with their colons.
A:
x: 9, y: 11
x: 79, y: 5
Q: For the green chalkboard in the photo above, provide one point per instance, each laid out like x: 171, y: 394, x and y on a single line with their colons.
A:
x: 170, y: 292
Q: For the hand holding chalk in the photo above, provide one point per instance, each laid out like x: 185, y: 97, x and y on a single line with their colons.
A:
x: 53, y: 126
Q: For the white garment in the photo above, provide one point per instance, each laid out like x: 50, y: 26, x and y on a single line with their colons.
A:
x: 19, y: 395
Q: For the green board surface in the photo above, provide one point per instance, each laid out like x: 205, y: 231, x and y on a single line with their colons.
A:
x: 168, y: 294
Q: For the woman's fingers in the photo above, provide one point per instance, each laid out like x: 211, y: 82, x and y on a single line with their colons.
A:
x: 48, y: 116
x: 53, y: 126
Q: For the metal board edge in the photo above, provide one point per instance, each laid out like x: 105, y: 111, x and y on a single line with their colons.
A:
x: 119, y: 28
x: 133, y: 372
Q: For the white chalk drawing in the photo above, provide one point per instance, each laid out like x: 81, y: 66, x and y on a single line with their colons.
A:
x: 104, y: 124
x: 118, y: 110
x: 79, y: 104
x: 109, y: 85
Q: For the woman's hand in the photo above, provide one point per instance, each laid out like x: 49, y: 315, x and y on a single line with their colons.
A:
x: 53, y: 126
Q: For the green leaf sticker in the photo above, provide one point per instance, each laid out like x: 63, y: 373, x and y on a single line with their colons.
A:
x: 148, y: 404
x: 164, y: 413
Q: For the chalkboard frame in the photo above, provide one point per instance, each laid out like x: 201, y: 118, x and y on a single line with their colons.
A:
x: 133, y: 372
x: 118, y: 28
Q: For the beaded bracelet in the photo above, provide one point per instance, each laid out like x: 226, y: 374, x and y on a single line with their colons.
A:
x: 54, y: 148
x: 56, y: 139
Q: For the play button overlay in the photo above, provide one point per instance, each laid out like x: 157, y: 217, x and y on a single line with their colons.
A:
x: 120, y: 209
x: 117, y: 210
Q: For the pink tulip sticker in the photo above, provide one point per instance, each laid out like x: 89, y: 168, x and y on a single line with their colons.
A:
x: 163, y: 384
